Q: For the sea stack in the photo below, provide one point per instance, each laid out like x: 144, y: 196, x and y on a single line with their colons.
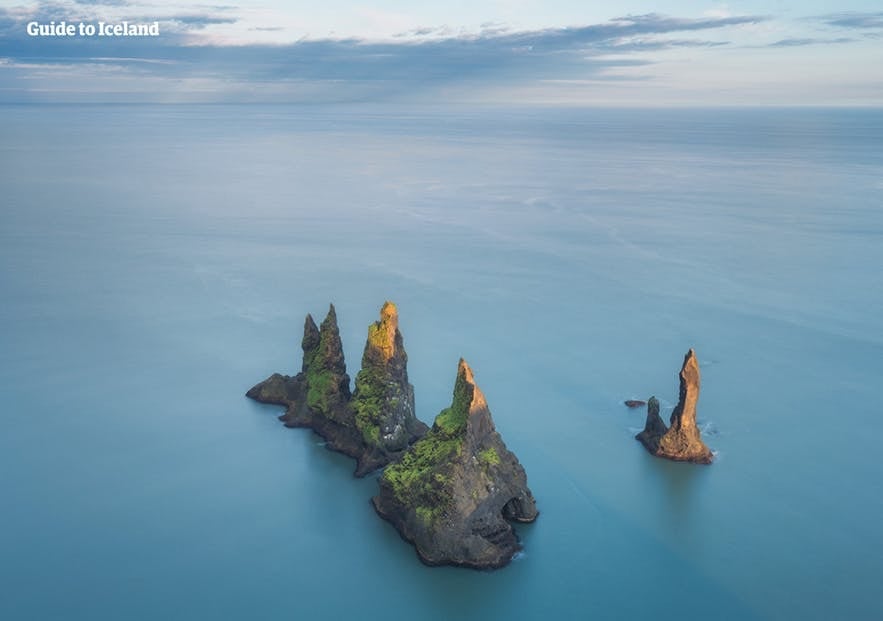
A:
x: 455, y: 491
x: 383, y: 401
x: 654, y: 428
x: 319, y: 396
x: 681, y: 441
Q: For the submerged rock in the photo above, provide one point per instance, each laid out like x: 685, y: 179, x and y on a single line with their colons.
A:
x: 634, y: 403
x: 681, y: 441
x: 319, y: 396
x: 455, y: 491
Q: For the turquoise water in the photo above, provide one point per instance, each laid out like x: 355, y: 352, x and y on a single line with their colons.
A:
x: 155, y: 262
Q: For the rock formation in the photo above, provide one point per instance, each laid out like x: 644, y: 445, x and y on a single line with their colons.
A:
x: 384, y: 399
x: 681, y: 441
x: 455, y: 491
x: 319, y: 396
x: 654, y: 428
x: 634, y: 403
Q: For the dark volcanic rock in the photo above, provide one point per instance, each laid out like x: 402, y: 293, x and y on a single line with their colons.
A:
x: 324, y: 369
x: 454, y: 491
x: 277, y: 389
x: 384, y: 399
x: 635, y: 403
x: 681, y: 441
x: 319, y: 396
x: 654, y: 428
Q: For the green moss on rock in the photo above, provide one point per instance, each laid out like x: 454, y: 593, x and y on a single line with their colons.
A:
x: 489, y: 457
x: 369, y: 404
x: 321, y: 387
x: 454, y: 491
x: 378, y: 335
x: 383, y: 400
x: 452, y: 420
x: 419, y: 478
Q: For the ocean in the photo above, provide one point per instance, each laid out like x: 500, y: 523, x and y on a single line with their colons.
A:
x: 157, y: 261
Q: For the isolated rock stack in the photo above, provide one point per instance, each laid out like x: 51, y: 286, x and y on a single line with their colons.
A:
x: 681, y: 441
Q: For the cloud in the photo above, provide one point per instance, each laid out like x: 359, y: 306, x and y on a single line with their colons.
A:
x: 803, y: 42
x: 430, y: 60
x: 854, y: 20
x: 654, y: 22
x: 652, y: 44
x: 196, y: 21
x: 427, y: 31
x: 103, y: 2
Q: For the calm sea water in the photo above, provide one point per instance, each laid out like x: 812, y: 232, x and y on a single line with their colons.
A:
x: 155, y: 262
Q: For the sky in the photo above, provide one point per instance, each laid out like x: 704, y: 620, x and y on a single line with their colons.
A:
x: 547, y: 52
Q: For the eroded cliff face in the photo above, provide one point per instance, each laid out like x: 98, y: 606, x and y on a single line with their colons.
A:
x: 455, y: 491
x: 681, y: 441
x: 319, y: 396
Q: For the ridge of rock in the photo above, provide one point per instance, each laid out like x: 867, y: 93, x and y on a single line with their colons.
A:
x: 456, y: 490
x: 681, y: 441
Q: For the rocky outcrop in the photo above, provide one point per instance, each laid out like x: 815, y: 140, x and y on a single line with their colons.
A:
x: 634, y: 403
x: 455, y: 491
x: 654, y: 428
x: 681, y: 441
x: 319, y: 396
x: 383, y: 401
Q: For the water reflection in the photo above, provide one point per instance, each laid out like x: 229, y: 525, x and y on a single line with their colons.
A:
x: 676, y: 486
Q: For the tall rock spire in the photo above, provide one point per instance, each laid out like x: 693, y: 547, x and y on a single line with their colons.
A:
x: 682, y: 440
x: 654, y: 428
x: 309, y: 343
x: 384, y: 399
x: 328, y: 385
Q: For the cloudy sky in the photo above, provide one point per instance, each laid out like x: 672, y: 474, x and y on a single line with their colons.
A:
x: 557, y: 52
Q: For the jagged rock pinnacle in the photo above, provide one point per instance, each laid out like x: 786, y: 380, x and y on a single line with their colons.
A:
x: 477, y: 402
x: 684, y: 415
x: 654, y: 428
x: 309, y: 343
x: 479, y: 422
x: 319, y: 397
x: 682, y: 440
x: 330, y: 354
x: 384, y: 399
x: 384, y: 332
